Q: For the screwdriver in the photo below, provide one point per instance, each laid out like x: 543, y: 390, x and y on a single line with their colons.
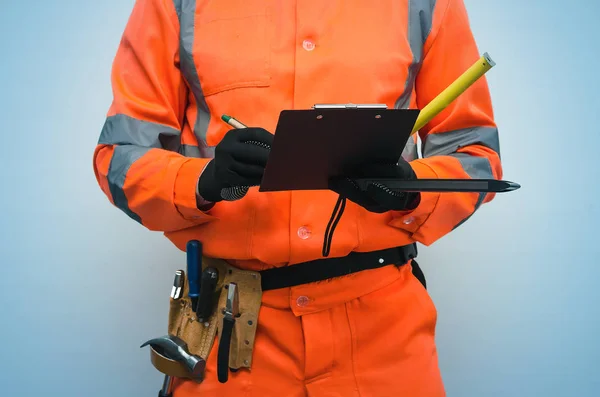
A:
x: 194, y: 268
x: 208, y: 284
x: 178, y: 285
x: 178, y: 281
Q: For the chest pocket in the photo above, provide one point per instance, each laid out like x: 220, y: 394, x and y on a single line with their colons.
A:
x: 232, y: 45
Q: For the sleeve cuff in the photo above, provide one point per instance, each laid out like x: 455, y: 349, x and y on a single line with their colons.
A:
x: 185, y: 197
x: 411, y: 221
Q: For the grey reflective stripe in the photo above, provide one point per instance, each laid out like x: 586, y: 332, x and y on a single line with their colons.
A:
x: 447, y: 144
x: 420, y: 20
x: 477, y: 168
x: 410, y: 151
x: 186, y: 11
x: 190, y: 151
x: 122, y: 159
x: 177, y: 4
x: 121, y: 129
x: 132, y: 139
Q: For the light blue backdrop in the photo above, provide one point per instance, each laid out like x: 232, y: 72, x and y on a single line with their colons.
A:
x: 83, y: 285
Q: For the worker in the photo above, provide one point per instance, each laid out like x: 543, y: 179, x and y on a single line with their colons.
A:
x: 164, y: 155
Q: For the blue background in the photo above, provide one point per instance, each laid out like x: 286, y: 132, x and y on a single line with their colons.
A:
x: 83, y: 286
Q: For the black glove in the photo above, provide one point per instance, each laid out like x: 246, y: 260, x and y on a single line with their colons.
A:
x: 378, y: 198
x: 240, y: 160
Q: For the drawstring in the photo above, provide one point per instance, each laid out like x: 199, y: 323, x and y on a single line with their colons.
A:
x: 340, y: 205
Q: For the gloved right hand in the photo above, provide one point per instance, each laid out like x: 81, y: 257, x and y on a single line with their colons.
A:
x: 240, y: 160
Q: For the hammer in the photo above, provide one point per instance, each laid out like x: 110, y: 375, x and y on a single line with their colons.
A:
x: 176, y: 349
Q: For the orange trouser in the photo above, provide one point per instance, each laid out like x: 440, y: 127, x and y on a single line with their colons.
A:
x: 369, y: 334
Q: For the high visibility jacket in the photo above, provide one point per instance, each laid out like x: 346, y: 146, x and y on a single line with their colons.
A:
x: 181, y: 64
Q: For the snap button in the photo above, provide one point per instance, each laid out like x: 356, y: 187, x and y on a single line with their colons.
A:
x: 308, y: 45
x: 304, y: 232
x: 302, y: 301
x: 408, y: 220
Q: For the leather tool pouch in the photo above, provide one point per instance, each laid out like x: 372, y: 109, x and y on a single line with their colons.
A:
x: 200, y: 337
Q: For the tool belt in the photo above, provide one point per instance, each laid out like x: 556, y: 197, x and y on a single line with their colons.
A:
x: 237, y: 300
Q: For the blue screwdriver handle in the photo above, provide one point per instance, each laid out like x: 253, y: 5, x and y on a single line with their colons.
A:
x: 194, y: 270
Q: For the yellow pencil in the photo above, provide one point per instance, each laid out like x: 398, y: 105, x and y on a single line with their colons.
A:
x: 452, y: 92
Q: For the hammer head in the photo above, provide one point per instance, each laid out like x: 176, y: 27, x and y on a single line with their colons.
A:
x: 176, y: 349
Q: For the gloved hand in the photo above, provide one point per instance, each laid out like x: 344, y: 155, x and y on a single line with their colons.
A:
x: 240, y: 160
x: 378, y: 198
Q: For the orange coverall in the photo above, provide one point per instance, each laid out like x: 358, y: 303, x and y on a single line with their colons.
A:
x: 181, y: 64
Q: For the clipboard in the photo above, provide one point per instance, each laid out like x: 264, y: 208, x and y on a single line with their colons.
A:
x: 312, y: 146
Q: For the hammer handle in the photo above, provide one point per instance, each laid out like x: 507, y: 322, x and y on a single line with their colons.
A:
x: 167, y: 389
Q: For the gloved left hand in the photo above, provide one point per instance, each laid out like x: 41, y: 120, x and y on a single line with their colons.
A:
x: 378, y: 198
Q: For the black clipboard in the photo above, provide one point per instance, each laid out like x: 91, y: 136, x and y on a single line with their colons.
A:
x: 311, y: 146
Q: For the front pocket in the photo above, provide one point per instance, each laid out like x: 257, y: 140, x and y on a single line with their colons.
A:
x: 232, y: 45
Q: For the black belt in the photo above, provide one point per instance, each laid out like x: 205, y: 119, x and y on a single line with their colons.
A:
x: 323, y: 269
x: 318, y: 270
